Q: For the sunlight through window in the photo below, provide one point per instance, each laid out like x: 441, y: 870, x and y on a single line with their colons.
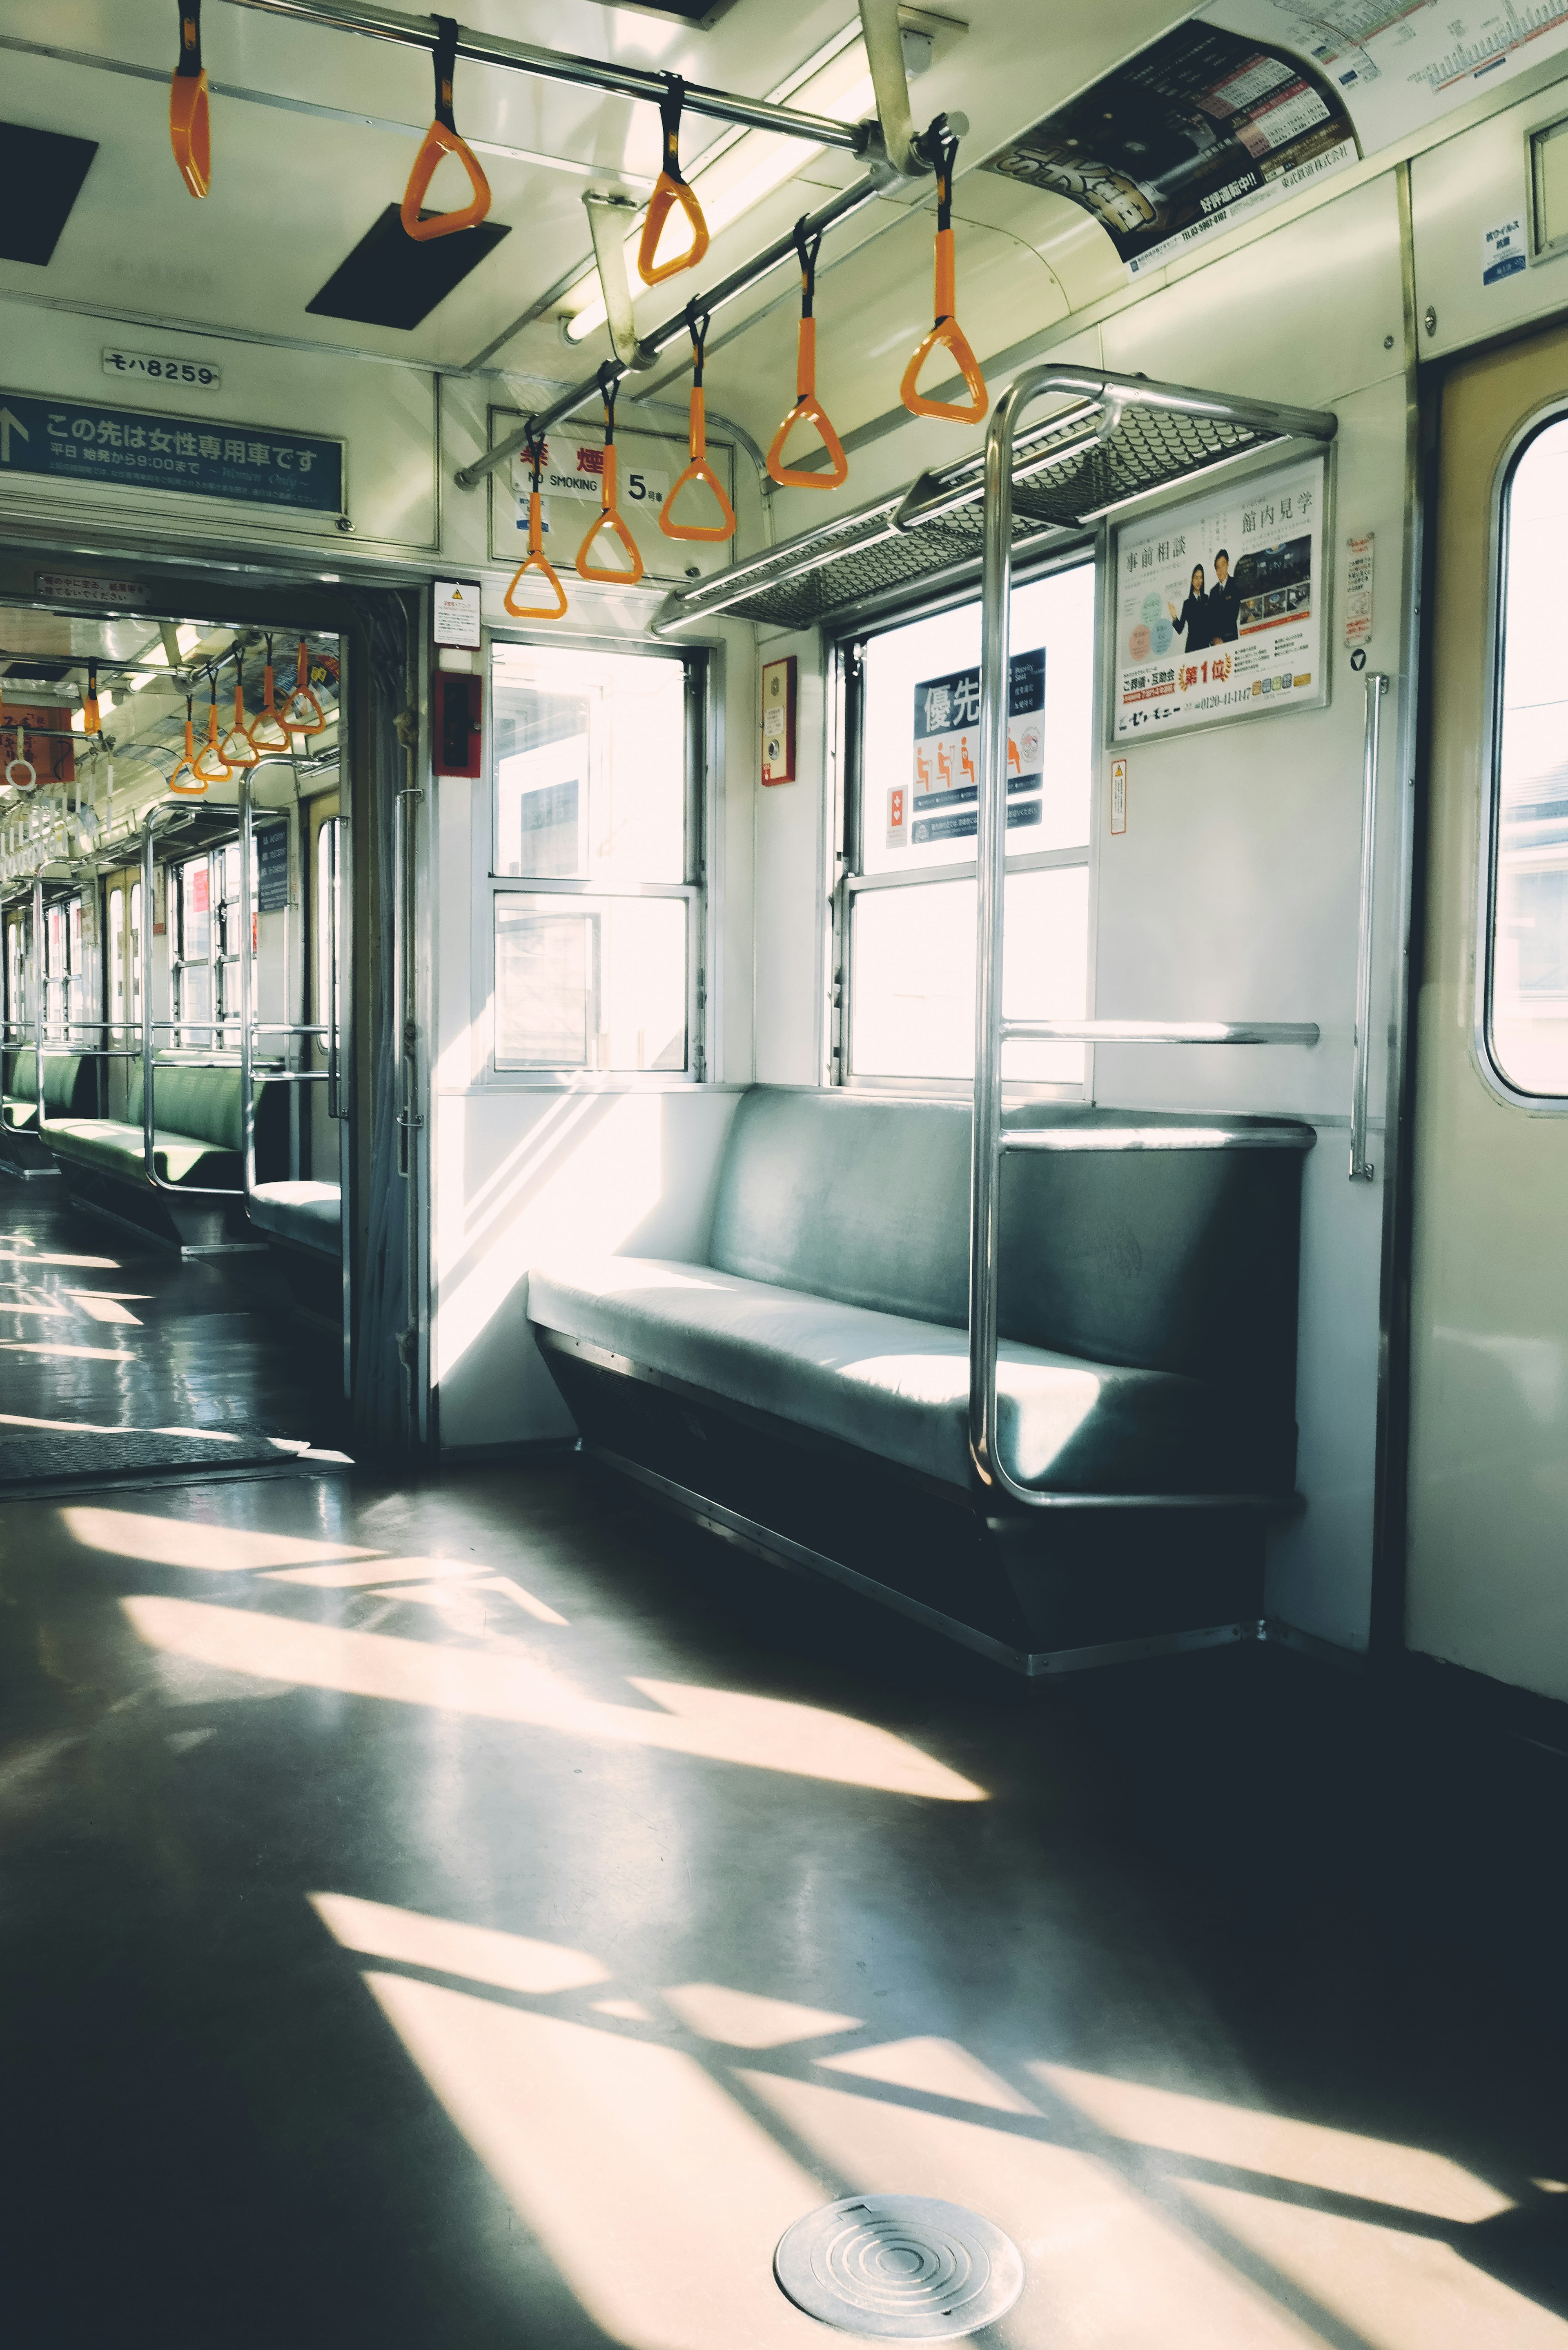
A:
x: 745, y: 2019
x: 190, y: 1542
x: 718, y: 1725
x: 510, y: 1961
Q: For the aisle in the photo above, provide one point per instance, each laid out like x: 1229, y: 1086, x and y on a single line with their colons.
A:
x: 478, y: 1916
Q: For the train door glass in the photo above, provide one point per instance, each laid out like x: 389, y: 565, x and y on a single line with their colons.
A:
x: 16, y: 978
x: 325, y: 886
x: 204, y: 954
x: 909, y: 893
x: 1489, y: 1293
x: 62, y: 974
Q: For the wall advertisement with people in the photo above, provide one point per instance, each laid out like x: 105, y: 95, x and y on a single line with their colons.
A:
x: 1219, y: 606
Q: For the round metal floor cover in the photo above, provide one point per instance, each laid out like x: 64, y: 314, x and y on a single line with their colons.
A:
x: 903, y: 2268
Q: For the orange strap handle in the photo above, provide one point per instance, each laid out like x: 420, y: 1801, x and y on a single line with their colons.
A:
x: 699, y: 470
x: 190, y: 123
x: 608, y: 516
x: 236, y: 747
x: 535, y: 559
x: 807, y: 408
x: 20, y: 782
x: 301, y: 714
x: 267, y: 715
x: 196, y: 788
x: 92, y: 724
x: 441, y: 139
x: 210, y: 763
x: 669, y: 190
x: 947, y: 334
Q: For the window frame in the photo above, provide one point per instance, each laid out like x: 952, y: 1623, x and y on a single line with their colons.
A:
x: 214, y: 1035
x: 1539, y: 420
x: 844, y: 644
x: 702, y: 699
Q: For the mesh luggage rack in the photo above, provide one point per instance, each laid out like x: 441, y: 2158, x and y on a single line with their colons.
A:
x: 1118, y: 438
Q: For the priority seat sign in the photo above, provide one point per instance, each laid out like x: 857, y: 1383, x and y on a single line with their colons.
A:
x: 943, y: 799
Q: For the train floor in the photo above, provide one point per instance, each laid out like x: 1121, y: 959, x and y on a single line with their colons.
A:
x: 103, y: 1334
x: 475, y: 1914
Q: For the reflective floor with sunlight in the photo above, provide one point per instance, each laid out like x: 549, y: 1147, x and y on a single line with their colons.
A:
x: 472, y: 1916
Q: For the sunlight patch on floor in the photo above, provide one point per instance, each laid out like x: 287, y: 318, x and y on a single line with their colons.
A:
x: 745, y: 2019
x: 1379, y: 2170
x: 186, y: 1542
x: 657, y: 2197
x: 484, y: 1953
x: 936, y: 2068
x: 717, y: 1725
x: 1106, y: 2271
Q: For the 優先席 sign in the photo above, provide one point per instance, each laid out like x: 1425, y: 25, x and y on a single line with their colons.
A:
x: 134, y: 448
x: 943, y: 803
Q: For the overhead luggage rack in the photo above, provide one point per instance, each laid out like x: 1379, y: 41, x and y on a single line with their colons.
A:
x: 1121, y: 437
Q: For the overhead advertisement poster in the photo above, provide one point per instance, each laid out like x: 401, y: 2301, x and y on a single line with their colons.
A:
x: 1200, y: 130
x: 944, y: 800
x: 1219, y: 606
x: 1255, y: 99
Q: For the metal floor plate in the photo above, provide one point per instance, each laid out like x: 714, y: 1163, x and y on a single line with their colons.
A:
x: 900, y: 2268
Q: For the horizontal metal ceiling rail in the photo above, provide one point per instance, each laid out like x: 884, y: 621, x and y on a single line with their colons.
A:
x: 675, y: 328
x: 1087, y: 441
x: 586, y: 73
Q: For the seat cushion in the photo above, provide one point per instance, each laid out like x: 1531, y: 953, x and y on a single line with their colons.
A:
x: 899, y: 1387
x: 308, y: 1214
x: 112, y: 1148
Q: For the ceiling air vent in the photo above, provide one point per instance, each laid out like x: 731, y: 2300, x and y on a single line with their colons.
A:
x: 41, y: 175
x: 392, y: 280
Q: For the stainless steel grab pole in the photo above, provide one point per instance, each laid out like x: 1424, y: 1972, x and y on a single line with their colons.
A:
x: 560, y: 64
x: 40, y: 964
x: 1361, y: 1167
x: 247, y: 1091
x: 991, y: 856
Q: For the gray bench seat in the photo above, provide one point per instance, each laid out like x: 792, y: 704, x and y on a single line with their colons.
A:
x: 309, y: 1215
x: 68, y: 1083
x: 898, y: 1388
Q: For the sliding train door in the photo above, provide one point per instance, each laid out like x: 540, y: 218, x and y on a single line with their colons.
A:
x: 122, y: 981
x: 1488, y: 1551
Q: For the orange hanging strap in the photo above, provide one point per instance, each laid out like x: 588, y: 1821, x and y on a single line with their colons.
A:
x: 669, y: 189
x: 947, y: 333
x: 18, y: 781
x: 301, y: 714
x: 210, y: 763
x: 92, y: 724
x: 267, y: 717
x: 441, y: 139
x: 195, y: 784
x: 535, y: 559
x: 608, y: 515
x: 189, y: 126
x: 236, y: 747
x: 699, y: 470
x: 807, y: 408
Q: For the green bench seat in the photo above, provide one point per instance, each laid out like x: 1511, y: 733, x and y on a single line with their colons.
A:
x: 307, y: 1215
x: 70, y: 1087
x: 198, y: 1142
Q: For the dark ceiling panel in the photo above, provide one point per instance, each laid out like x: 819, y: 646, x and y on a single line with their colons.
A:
x: 392, y: 279
x: 41, y: 175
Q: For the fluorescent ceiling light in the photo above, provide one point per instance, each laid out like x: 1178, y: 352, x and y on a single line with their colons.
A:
x: 748, y: 167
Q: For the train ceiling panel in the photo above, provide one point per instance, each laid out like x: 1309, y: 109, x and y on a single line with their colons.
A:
x: 315, y: 132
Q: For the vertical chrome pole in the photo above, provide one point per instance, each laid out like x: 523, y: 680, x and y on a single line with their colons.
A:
x: 40, y: 965
x: 990, y: 874
x: 247, y: 1009
x: 329, y: 828
x: 1361, y: 1167
x: 147, y: 874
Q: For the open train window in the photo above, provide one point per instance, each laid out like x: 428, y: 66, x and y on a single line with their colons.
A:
x: 908, y: 898
x: 595, y: 875
x: 1524, y: 1011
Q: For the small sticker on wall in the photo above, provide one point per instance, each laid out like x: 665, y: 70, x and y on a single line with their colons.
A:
x: 1118, y: 795
x: 1359, y: 552
x: 898, y: 818
x: 1503, y: 252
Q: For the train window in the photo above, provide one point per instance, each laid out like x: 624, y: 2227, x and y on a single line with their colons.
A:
x: 1526, y: 1010
x: 16, y: 978
x: 134, y: 944
x: 594, y: 865
x: 205, y: 947
x: 910, y: 891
